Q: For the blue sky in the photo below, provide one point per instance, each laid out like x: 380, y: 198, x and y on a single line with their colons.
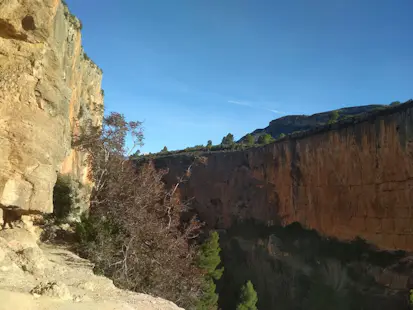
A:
x: 194, y: 70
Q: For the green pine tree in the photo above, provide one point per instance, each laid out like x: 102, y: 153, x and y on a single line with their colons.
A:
x: 249, y: 139
x: 228, y: 140
x: 248, y: 297
x: 208, y: 261
x: 208, y: 299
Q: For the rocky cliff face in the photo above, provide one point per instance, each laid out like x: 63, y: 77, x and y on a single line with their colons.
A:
x: 49, y: 89
x: 345, y: 180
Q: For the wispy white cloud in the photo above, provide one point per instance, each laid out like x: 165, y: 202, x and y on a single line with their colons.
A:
x: 244, y: 103
x: 256, y: 105
x: 277, y: 112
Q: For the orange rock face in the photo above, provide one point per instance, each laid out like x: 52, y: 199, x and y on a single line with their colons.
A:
x: 351, y: 180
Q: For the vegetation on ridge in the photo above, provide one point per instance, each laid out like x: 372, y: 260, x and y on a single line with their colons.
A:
x: 75, y: 21
x: 254, y: 139
x: 265, y: 139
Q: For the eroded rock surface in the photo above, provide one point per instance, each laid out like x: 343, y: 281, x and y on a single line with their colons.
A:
x: 42, y: 276
x: 48, y: 90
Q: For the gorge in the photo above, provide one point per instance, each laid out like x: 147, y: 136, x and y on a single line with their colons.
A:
x: 319, y: 219
x: 345, y: 180
x: 343, y: 194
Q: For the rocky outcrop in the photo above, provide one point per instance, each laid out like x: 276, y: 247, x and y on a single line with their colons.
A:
x: 49, y: 89
x: 41, y: 276
x: 344, y: 180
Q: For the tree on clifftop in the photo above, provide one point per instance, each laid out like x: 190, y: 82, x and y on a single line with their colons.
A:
x: 265, y: 139
x: 228, y: 140
x: 248, y: 298
x: 249, y: 139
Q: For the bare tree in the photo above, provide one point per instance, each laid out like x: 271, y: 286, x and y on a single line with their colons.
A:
x: 134, y: 232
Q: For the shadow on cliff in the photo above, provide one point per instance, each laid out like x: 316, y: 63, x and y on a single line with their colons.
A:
x: 295, y: 268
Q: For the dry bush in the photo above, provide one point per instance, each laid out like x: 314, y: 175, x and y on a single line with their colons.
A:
x: 133, y: 231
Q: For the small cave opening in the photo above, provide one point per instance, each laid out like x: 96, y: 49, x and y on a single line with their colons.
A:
x: 28, y: 23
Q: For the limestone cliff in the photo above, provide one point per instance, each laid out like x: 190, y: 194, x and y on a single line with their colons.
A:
x: 344, y: 180
x: 48, y: 89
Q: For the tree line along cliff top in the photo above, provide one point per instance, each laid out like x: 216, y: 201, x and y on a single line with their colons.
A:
x: 291, y: 127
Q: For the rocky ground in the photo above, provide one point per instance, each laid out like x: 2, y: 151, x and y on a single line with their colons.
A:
x: 38, y: 276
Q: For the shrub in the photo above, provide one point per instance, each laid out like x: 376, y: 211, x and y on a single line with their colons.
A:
x: 334, y: 115
x: 133, y: 231
x: 199, y: 147
x: 66, y: 198
x: 281, y: 135
x: 62, y: 200
x: 216, y: 148
x: 394, y: 103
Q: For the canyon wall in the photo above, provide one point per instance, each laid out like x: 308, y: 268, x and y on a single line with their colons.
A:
x: 344, y: 180
x: 49, y: 89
